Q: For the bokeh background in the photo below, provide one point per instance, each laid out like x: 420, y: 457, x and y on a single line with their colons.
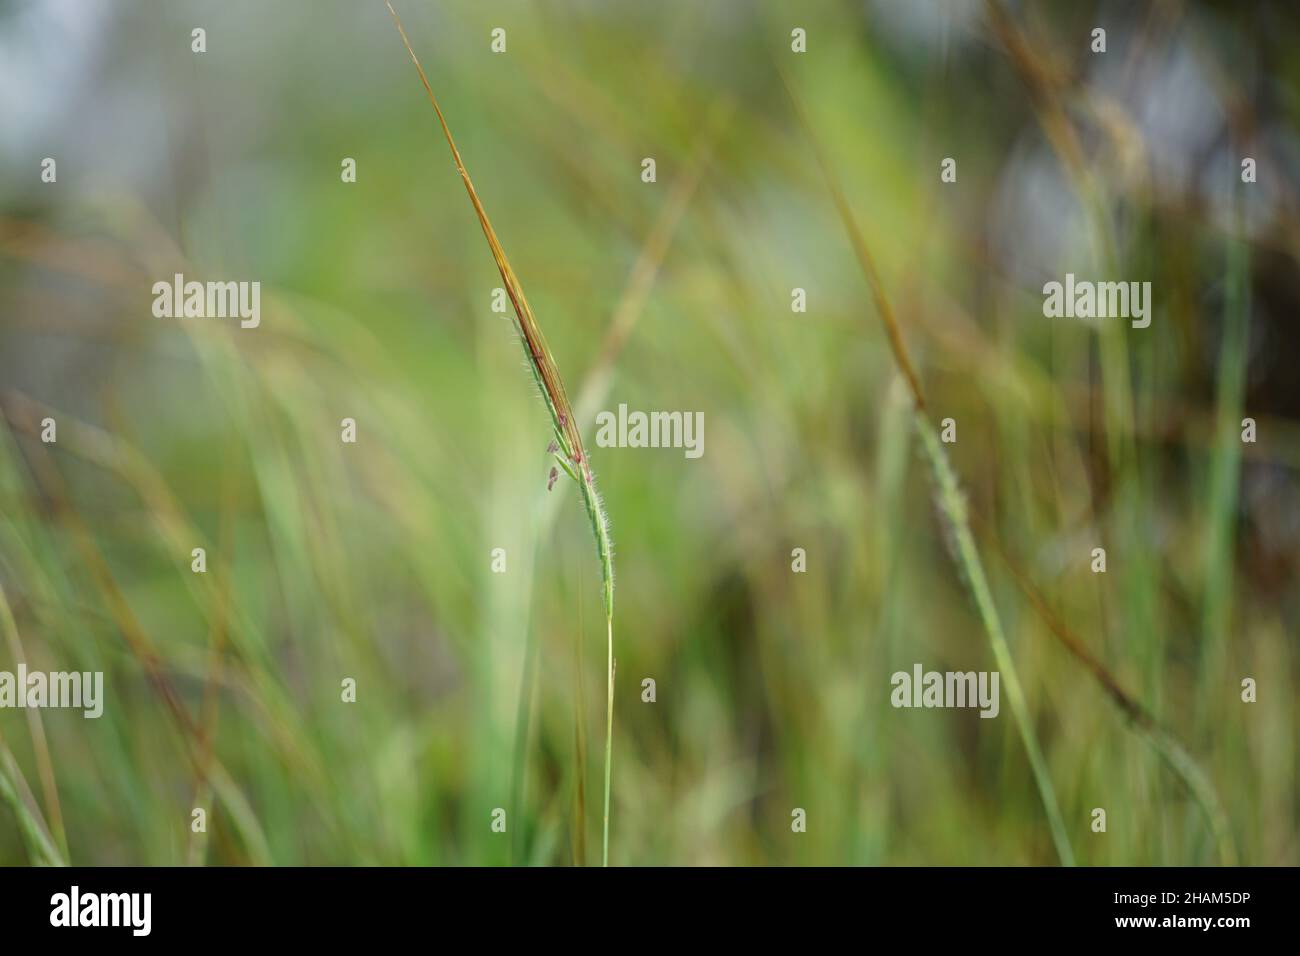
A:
x: 478, y: 690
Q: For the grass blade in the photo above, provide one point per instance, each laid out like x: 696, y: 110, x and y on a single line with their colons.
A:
x: 571, y: 455
x: 952, y: 504
x: 15, y: 792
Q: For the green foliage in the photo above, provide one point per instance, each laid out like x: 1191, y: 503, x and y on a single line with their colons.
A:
x: 478, y: 690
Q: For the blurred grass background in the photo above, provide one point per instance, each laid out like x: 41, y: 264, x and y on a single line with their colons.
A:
x: 372, y: 561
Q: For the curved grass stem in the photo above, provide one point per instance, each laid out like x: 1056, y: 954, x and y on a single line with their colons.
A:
x: 551, y: 386
x: 609, y: 736
x: 953, y: 505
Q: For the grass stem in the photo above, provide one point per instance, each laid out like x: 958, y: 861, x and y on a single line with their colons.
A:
x: 570, y: 454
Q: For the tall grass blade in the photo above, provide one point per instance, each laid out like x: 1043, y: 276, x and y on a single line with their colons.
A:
x: 15, y: 792
x: 570, y: 455
x: 952, y: 504
x: 1225, y: 460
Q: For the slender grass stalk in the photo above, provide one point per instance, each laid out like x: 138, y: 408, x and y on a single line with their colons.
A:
x: 952, y: 504
x: 569, y: 454
x: 40, y: 745
x: 15, y: 792
x: 1033, y: 61
x: 111, y: 452
x: 1225, y: 461
x: 593, y: 391
x: 46, y: 846
x: 580, y: 749
x: 139, y: 643
x: 1140, y: 718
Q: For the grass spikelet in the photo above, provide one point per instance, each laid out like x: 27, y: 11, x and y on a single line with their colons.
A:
x: 950, y: 501
x: 569, y: 454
